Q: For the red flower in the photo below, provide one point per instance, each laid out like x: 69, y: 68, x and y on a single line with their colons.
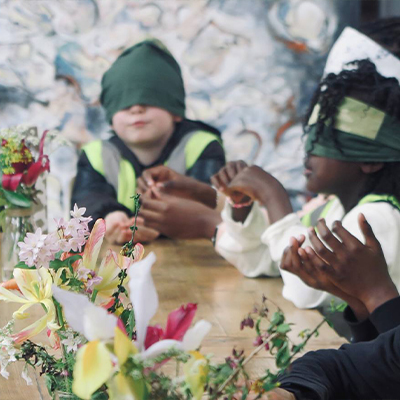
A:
x: 154, y: 334
x: 178, y: 323
x: 26, y: 173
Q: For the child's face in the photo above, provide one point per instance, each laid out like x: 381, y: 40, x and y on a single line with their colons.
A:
x: 141, y: 125
x: 329, y: 176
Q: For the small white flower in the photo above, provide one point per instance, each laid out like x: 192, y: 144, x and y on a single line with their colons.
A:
x: 26, y: 376
x: 78, y: 214
x: 71, y: 342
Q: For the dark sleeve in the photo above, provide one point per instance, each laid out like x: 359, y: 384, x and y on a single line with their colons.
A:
x: 91, y: 190
x: 361, y: 331
x: 209, y: 163
x: 387, y: 316
x: 384, y: 318
x: 367, y: 370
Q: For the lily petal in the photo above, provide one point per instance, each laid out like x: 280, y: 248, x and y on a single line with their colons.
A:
x: 93, y: 245
x: 179, y: 321
x: 160, y: 347
x: 84, y: 317
x: 143, y: 296
x: 123, y: 346
x: 196, y: 370
x: 194, y: 336
x: 123, y: 387
x: 10, y: 182
x: 154, y: 334
x: 108, y: 271
x: 92, y: 369
x: 35, y: 170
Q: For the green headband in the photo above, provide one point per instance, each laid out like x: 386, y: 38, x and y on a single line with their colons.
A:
x: 363, y: 133
x: 144, y: 74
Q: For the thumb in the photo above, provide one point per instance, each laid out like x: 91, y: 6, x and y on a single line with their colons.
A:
x: 370, y: 239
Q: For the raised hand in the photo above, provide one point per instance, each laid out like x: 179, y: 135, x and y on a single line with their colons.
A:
x: 222, y: 179
x: 357, y: 269
x: 311, y: 270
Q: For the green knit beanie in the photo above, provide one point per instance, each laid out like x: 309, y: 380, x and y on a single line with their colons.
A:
x: 146, y: 74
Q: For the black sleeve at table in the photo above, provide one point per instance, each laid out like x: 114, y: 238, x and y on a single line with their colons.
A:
x: 367, y: 370
x: 384, y: 318
x: 91, y: 190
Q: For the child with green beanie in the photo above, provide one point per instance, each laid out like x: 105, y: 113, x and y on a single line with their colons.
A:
x: 144, y: 98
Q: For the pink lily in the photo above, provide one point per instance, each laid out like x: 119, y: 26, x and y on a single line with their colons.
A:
x: 152, y: 341
x: 178, y: 323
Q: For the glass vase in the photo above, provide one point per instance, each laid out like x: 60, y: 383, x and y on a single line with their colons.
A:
x: 18, y: 222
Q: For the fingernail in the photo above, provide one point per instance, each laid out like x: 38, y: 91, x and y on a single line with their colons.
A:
x: 309, y: 250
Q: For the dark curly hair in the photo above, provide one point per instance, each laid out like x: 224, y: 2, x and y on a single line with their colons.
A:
x: 364, y: 83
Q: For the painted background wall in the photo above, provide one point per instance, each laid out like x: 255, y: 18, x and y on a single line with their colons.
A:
x: 249, y: 66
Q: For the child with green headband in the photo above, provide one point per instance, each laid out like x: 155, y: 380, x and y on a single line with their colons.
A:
x: 144, y: 98
x: 353, y: 154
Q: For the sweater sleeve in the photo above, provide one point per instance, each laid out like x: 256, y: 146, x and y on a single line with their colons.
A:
x: 367, y: 370
x: 91, y: 190
x: 277, y: 237
x: 240, y: 243
x: 385, y: 222
x: 211, y: 160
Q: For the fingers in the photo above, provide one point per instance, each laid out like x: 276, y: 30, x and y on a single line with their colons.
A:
x: 311, y: 261
x: 226, y: 174
x: 145, y: 234
x: 349, y: 241
x: 320, y: 248
x: 141, y: 185
x: 291, y: 261
x: 151, y: 219
x: 157, y: 174
x: 328, y: 237
x: 370, y: 238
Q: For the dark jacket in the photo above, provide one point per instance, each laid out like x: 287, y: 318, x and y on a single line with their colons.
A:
x: 93, y: 191
x: 366, y: 370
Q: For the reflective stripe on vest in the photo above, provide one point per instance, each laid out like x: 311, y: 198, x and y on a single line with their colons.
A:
x: 106, y: 159
x: 189, y: 149
x: 312, y: 217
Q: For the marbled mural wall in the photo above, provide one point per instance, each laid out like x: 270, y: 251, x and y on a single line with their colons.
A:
x: 249, y: 66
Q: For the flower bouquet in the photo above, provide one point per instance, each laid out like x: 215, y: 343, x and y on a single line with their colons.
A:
x: 20, y: 170
x: 97, y: 317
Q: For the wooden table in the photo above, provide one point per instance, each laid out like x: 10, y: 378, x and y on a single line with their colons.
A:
x: 191, y: 271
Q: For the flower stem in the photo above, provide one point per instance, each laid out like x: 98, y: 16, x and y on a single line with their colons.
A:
x: 248, y: 358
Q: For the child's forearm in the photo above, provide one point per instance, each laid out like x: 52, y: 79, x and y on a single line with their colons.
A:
x: 276, y: 201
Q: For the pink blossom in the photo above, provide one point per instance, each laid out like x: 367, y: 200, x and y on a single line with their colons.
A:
x: 38, y: 249
x: 178, y: 323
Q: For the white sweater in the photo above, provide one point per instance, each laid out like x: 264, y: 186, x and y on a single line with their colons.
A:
x: 255, y: 248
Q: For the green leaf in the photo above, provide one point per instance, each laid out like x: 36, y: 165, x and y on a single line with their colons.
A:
x: 57, y: 264
x: 277, y: 319
x: 16, y: 199
x: 283, y: 356
x: 2, y: 219
x: 283, y: 328
x: 22, y: 265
